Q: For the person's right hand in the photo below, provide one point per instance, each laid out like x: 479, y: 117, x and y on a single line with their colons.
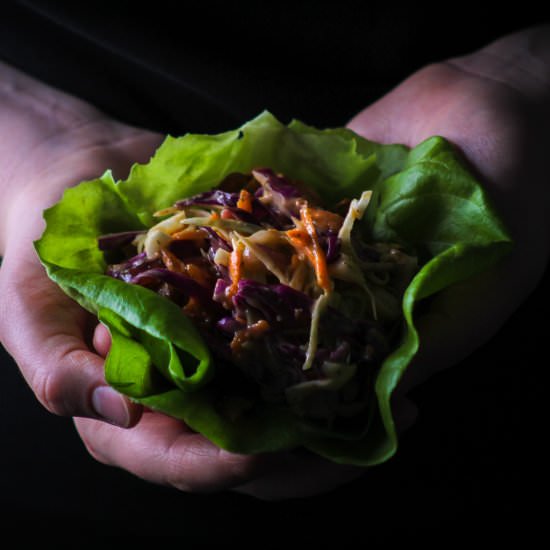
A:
x: 494, y: 105
x: 51, y: 141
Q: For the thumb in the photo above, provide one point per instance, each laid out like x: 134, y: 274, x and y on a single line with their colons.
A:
x: 46, y: 333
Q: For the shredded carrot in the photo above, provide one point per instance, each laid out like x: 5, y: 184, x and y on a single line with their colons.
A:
x: 202, y: 276
x: 301, y: 242
x: 295, y: 233
x: 195, y: 272
x: 188, y: 234
x: 253, y: 331
x: 245, y: 201
x: 172, y: 262
x: 317, y: 253
x: 235, y: 268
x: 307, y: 243
x: 324, y: 219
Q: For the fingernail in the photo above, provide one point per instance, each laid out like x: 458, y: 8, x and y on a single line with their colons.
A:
x: 111, y: 406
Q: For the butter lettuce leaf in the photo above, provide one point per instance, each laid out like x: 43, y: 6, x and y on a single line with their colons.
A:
x: 424, y: 198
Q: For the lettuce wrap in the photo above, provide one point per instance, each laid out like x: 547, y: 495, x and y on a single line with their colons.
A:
x: 423, y: 200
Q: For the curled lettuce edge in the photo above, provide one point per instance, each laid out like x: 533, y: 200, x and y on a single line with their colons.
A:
x: 424, y: 197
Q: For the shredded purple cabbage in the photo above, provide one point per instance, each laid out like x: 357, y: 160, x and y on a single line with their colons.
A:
x: 275, y: 356
x: 188, y: 286
x: 209, y: 198
x: 331, y: 246
x: 277, y: 183
x: 216, y: 240
x: 228, y: 200
x: 128, y: 270
x: 113, y: 241
x: 278, y: 304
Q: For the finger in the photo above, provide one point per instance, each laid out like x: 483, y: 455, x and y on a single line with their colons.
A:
x: 102, y: 340
x: 45, y: 332
x: 164, y: 450
x: 520, y: 59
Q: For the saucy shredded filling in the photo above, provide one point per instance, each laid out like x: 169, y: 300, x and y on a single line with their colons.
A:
x: 290, y: 292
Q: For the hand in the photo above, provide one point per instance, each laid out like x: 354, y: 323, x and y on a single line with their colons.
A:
x: 53, y: 141
x: 494, y: 105
x: 498, y: 117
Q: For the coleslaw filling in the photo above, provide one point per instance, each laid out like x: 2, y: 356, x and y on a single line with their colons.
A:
x: 289, y: 291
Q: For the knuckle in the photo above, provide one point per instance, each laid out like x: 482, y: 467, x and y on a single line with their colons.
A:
x: 183, y: 468
x: 176, y: 473
x: 49, y: 390
x: 200, y: 471
x: 52, y: 383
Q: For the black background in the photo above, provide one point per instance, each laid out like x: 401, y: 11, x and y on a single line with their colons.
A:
x: 472, y: 462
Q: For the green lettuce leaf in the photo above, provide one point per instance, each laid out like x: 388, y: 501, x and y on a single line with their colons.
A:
x: 424, y: 198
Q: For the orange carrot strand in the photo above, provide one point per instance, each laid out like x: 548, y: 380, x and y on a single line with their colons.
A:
x: 235, y: 267
x: 317, y: 253
x: 245, y: 201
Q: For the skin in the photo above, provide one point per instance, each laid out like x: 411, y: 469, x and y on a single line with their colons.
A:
x: 493, y: 104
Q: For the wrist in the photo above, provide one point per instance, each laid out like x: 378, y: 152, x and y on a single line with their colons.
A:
x: 521, y: 61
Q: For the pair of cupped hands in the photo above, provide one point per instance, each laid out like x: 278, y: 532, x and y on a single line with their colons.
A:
x: 493, y: 104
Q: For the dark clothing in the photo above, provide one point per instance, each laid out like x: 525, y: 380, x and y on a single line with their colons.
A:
x: 209, y: 69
